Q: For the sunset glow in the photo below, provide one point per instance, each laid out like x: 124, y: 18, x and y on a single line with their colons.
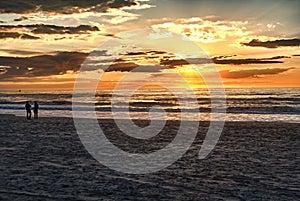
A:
x: 44, y: 46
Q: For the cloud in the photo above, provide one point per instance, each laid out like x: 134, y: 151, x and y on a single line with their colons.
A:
x: 4, y: 35
x: 154, y: 52
x: 62, y: 7
x: 21, y: 19
x: 110, y: 35
x: 180, y: 62
x: 271, y: 60
x: 19, y: 52
x: 138, y: 6
x: 52, y: 29
x: 117, y: 16
x: 252, y: 72
x: 98, y: 14
x: 149, y: 68
x: 73, y: 13
x: 220, y: 60
x: 273, y: 44
x: 42, y: 65
x: 122, y: 67
x: 206, y: 30
x: 136, y: 53
x: 62, y: 62
x: 133, y: 67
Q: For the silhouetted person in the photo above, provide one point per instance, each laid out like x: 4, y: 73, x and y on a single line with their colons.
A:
x: 28, y: 110
x: 36, y: 110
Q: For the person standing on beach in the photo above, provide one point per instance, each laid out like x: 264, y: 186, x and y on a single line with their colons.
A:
x: 36, y: 110
x: 28, y: 110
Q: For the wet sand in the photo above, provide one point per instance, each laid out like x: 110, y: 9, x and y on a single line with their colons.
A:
x: 44, y: 160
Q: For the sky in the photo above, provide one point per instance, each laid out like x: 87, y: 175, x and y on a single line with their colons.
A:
x: 250, y: 43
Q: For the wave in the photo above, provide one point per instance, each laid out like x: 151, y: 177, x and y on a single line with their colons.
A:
x: 239, y: 101
x: 243, y: 110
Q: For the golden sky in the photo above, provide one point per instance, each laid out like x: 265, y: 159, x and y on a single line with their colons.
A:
x: 250, y: 43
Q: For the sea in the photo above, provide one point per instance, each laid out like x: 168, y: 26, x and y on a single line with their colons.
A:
x: 242, y: 104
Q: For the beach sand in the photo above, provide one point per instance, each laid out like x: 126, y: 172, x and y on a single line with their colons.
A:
x: 44, y: 160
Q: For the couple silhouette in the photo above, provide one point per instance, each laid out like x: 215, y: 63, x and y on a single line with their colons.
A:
x: 35, y: 110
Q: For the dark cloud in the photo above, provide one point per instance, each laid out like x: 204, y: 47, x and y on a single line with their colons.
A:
x: 123, y: 67
x: 252, y: 72
x: 59, y: 6
x: 152, y: 52
x: 220, y: 60
x: 273, y: 44
x: 19, y: 52
x: 52, y: 29
x: 126, y: 63
x: 149, y: 68
x: 110, y: 35
x: 21, y: 19
x: 296, y: 55
x: 278, y: 57
x: 272, y: 60
x: 136, y: 53
x: 224, y: 56
x: 4, y: 35
x: 133, y: 67
x: 61, y: 62
x: 42, y: 65
x: 91, y: 65
x: 180, y: 62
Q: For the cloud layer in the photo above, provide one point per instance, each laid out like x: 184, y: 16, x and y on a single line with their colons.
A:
x: 273, y: 44
x: 252, y: 72
x: 43, y: 65
x: 4, y: 35
x: 63, y: 62
x: 50, y: 29
x: 63, y: 7
x: 220, y: 60
x: 206, y: 30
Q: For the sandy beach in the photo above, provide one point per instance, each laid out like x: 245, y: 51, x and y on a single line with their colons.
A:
x: 44, y: 160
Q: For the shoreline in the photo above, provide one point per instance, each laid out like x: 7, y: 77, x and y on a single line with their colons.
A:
x: 109, y: 119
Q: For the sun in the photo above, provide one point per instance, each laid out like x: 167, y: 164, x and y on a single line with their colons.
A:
x: 192, y: 75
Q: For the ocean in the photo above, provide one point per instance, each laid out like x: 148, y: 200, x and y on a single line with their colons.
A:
x: 243, y: 104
